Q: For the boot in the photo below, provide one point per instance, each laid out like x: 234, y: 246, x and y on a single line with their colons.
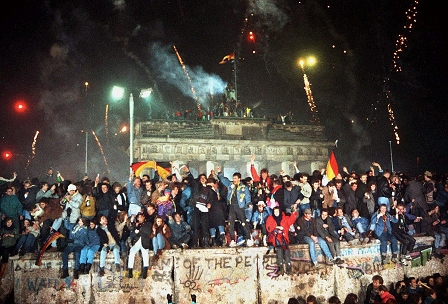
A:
x: 395, y: 258
x: 144, y: 273
x: 281, y: 271
x: 205, y: 241
x: 64, y: 273
x: 223, y: 240
x: 2, y: 272
x: 130, y: 274
x: 87, y: 269
x: 212, y: 241
x: 265, y: 242
x: 82, y: 268
x: 76, y: 274
x: 288, y: 269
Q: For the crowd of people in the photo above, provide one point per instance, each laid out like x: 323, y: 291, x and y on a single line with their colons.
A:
x: 96, y: 217
x: 432, y: 289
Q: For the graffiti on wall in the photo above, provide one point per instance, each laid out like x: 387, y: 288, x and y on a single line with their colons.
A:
x: 201, y: 273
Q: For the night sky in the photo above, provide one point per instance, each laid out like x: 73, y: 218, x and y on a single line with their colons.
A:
x: 50, y: 49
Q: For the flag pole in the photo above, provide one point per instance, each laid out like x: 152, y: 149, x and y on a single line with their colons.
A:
x: 234, y: 74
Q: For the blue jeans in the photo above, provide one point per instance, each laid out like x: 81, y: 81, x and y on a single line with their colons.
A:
x: 88, y: 254
x: 115, y: 250
x: 440, y: 239
x: 315, y: 213
x: 27, y: 242
x: 384, y: 238
x: 248, y: 212
x: 323, y: 245
x: 158, y: 242
x: 213, y: 231
x: 361, y: 228
x: 76, y: 249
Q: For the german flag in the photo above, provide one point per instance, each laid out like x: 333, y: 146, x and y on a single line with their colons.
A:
x: 332, y: 167
x: 140, y: 166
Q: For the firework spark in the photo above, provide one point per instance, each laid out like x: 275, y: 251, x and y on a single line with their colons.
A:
x: 102, y: 151
x: 401, y: 42
x: 33, y: 150
x: 400, y: 45
x: 186, y: 72
x: 309, y: 94
x: 106, y: 124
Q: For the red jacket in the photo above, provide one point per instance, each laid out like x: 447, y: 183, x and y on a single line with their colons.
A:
x: 286, y: 222
x: 256, y: 177
x: 386, y: 296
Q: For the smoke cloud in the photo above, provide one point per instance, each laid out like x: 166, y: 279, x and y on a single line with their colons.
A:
x: 198, y: 84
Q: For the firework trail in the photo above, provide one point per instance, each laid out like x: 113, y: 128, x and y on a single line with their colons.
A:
x: 400, y: 45
x: 186, y: 73
x: 106, y: 124
x: 102, y: 151
x: 33, y: 150
x: 309, y: 94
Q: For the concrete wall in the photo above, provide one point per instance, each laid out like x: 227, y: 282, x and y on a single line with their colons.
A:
x: 217, y: 275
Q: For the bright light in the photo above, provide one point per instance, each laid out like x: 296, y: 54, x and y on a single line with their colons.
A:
x: 7, y: 155
x: 118, y: 92
x: 309, y: 61
x: 145, y: 93
x: 124, y: 129
x: 20, y: 106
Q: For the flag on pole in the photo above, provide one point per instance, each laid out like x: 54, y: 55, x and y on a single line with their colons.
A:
x: 228, y: 58
x: 332, y: 167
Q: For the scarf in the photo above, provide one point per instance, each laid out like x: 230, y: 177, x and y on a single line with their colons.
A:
x: 278, y: 218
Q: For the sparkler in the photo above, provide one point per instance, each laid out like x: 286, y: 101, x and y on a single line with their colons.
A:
x: 186, y: 72
x: 102, y: 151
